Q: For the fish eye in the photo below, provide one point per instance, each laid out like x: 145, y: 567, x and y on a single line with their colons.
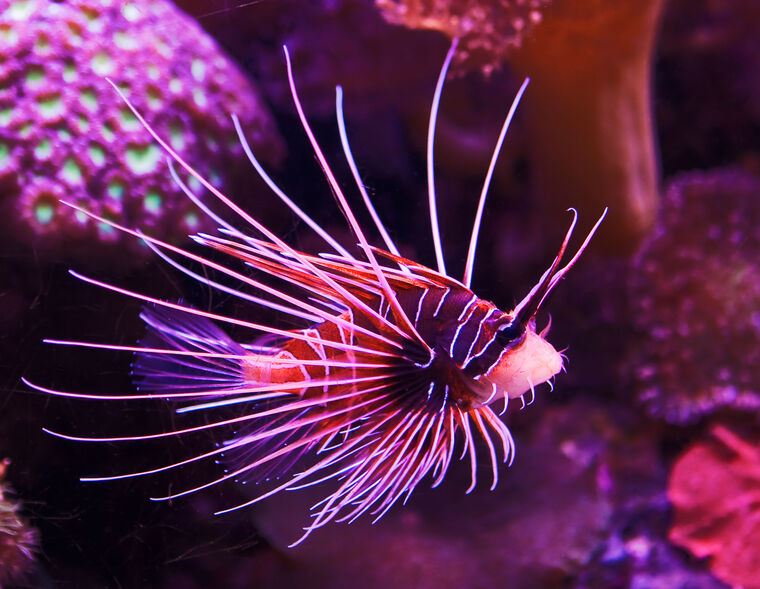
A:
x: 510, y: 334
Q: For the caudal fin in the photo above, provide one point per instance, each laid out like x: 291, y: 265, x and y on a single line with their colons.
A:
x: 209, y: 364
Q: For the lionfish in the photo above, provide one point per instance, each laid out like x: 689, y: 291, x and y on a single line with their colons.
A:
x: 397, y: 365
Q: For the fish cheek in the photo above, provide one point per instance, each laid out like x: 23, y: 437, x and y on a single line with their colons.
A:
x: 531, y: 363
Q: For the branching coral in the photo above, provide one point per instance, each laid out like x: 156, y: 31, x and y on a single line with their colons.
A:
x: 64, y: 132
x: 696, y: 293
x: 18, y: 541
x: 715, y: 491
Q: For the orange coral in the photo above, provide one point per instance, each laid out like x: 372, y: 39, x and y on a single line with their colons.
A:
x: 589, y: 114
x: 488, y: 30
x: 715, y: 490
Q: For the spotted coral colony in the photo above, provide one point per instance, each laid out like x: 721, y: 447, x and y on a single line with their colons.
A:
x: 64, y: 133
x: 391, y: 378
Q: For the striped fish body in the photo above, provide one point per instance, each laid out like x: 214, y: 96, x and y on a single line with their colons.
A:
x: 394, y: 375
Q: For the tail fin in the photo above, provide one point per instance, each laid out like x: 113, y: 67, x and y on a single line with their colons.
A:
x: 201, y: 369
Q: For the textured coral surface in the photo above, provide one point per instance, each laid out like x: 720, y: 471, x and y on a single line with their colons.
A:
x: 696, y: 292
x: 488, y: 29
x: 715, y: 491
x: 65, y: 133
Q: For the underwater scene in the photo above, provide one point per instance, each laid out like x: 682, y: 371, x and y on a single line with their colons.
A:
x: 423, y: 294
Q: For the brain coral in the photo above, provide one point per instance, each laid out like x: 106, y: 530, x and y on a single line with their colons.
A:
x: 64, y: 132
x: 696, y: 293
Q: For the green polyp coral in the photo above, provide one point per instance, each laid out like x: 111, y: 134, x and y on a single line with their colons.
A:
x: 88, y: 99
x: 44, y: 149
x: 199, y: 97
x: 71, y: 172
x: 42, y: 45
x: 43, y: 212
x: 102, y: 64
x: 50, y: 106
x: 97, y: 155
x: 5, y: 156
x: 152, y: 202
x: 130, y: 11
x: 35, y: 78
x: 125, y: 41
x: 198, y: 69
x: 66, y: 134
x: 69, y: 72
x: 107, y: 132
x: 127, y: 120
x: 8, y: 35
x: 177, y: 137
x: 19, y: 10
x: 116, y: 190
x: 142, y: 160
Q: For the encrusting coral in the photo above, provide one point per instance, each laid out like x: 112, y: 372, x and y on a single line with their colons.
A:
x: 715, y: 491
x: 696, y: 294
x: 18, y: 541
x: 65, y: 133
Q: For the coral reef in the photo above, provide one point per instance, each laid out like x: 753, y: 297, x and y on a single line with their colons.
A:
x: 696, y: 295
x: 613, y: 484
x: 64, y: 132
x: 18, y: 541
x: 715, y: 491
x: 488, y: 30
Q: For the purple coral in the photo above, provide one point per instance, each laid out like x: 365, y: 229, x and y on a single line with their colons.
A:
x: 64, y: 132
x: 696, y: 293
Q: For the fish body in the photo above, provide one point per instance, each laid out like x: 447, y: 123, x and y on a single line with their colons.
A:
x: 392, y: 374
